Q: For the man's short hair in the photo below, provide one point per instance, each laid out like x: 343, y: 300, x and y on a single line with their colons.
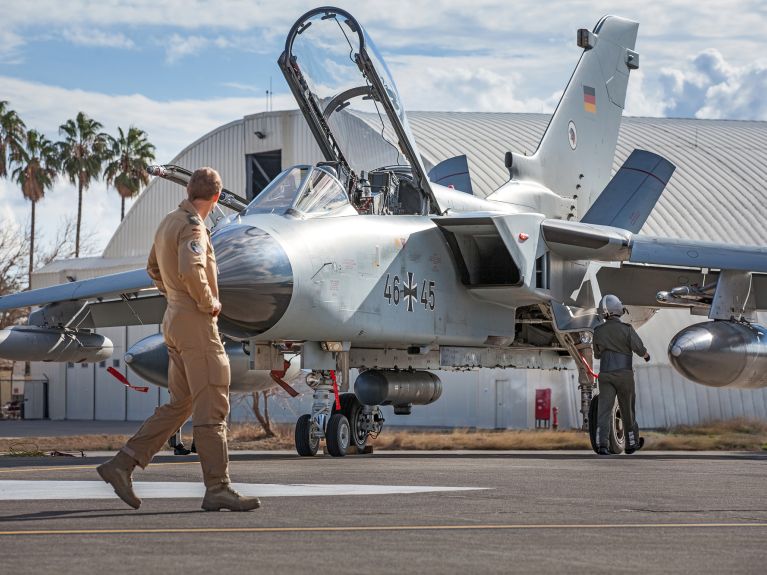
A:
x: 204, y: 184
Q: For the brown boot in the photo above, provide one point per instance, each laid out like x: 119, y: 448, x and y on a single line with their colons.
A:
x: 117, y: 472
x: 222, y: 496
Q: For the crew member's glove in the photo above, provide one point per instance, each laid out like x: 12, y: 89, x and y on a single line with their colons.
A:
x: 647, y: 357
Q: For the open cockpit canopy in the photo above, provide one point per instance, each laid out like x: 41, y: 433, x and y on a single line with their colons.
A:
x: 303, y: 191
x: 349, y: 99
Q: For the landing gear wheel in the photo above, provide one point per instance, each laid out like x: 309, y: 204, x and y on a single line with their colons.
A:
x: 306, y: 444
x: 337, y: 435
x: 617, y: 431
x: 352, y: 409
x: 617, y: 437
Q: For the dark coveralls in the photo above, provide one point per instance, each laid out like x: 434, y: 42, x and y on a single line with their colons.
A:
x: 614, y: 341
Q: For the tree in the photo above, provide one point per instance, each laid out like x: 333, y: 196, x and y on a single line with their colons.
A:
x: 36, y: 172
x: 127, y: 157
x: 14, y: 247
x: 11, y: 138
x: 263, y: 418
x: 81, y: 155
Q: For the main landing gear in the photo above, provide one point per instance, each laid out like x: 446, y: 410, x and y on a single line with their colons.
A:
x: 341, y: 429
x: 616, y: 440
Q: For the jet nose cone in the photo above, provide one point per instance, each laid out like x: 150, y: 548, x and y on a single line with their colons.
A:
x: 255, y: 279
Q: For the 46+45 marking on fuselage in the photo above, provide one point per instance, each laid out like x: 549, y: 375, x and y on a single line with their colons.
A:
x: 405, y: 290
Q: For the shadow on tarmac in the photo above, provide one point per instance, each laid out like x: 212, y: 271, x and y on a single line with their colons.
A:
x: 91, y: 514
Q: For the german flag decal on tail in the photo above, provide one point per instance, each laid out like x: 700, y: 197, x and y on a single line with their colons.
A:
x: 589, y: 99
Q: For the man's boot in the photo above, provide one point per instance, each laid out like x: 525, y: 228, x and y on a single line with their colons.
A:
x: 117, y: 472
x: 214, y: 459
x: 222, y: 496
x: 632, y: 448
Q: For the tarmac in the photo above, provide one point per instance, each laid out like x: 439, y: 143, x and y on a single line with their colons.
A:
x: 396, y: 512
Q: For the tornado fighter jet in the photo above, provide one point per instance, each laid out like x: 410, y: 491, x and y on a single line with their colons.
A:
x: 367, y: 262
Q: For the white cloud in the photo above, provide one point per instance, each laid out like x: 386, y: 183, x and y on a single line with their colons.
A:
x: 711, y: 87
x: 100, y: 38
x: 464, y: 84
x: 180, y: 46
x: 10, y: 44
x: 245, y: 87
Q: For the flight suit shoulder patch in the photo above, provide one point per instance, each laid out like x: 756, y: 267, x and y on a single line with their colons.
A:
x: 195, y: 247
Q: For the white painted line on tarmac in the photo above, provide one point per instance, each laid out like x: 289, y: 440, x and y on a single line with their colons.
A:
x: 16, y: 490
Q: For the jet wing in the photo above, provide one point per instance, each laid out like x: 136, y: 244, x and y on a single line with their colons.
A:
x: 126, y: 298
x: 102, y: 287
x: 638, y: 285
x: 581, y: 241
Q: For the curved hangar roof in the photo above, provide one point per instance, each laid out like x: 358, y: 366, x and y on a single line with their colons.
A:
x: 717, y: 192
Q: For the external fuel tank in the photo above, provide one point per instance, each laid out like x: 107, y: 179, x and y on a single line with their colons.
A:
x: 721, y: 353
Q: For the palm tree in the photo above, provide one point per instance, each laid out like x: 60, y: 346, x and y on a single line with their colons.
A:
x: 127, y: 159
x: 11, y: 138
x: 81, y: 154
x: 36, y: 171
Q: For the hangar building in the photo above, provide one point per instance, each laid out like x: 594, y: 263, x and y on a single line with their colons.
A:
x: 717, y: 193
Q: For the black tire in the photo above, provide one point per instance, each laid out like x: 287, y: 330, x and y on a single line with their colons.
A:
x: 306, y: 445
x: 593, y: 412
x: 337, y: 435
x: 617, y: 432
x: 352, y: 409
x: 617, y: 438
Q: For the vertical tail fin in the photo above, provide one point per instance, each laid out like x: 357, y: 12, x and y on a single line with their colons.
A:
x: 575, y: 156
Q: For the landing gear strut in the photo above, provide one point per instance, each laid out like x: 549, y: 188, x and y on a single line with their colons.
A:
x: 349, y: 427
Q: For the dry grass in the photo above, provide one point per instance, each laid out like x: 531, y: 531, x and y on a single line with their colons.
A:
x: 481, y: 439
x: 733, y: 435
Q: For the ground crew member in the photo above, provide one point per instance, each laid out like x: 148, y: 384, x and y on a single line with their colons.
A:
x: 614, y: 342
x: 183, y: 267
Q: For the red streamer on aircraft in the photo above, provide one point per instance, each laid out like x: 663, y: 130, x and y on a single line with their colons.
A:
x: 122, y: 379
x: 588, y: 367
x: 335, y: 389
x: 277, y: 378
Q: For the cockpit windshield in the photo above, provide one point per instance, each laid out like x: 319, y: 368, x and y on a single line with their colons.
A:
x: 303, y: 190
x: 348, y: 96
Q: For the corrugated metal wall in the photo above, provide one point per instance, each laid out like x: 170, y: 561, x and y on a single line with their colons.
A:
x: 716, y: 194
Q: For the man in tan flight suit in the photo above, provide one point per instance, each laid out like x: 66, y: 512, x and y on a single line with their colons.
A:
x: 614, y: 343
x: 183, y: 267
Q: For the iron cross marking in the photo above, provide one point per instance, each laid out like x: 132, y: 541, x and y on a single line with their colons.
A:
x: 410, y: 291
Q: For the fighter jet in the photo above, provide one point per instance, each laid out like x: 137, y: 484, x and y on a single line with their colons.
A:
x: 366, y: 261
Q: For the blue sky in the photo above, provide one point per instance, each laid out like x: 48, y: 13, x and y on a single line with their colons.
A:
x: 178, y: 69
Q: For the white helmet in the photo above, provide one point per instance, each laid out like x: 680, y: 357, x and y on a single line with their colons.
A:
x: 611, y: 305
